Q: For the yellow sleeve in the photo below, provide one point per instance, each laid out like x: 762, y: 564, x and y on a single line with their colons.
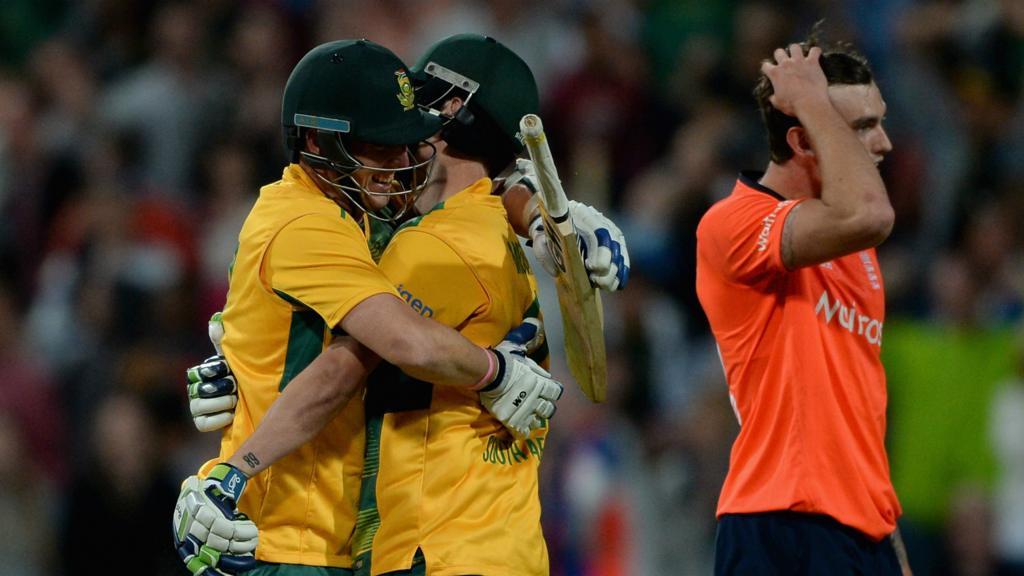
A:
x: 432, y: 278
x: 321, y: 264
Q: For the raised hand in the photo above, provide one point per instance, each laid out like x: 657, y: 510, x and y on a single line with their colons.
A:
x: 797, y: 79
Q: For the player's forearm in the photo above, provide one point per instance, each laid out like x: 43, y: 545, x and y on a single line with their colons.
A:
x: 443, y: 356
x: 309, y: 402
x: 851, y: 185
x: 521, y: 207
x: 420, y: 347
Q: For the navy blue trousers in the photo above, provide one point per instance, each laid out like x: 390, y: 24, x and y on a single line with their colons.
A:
x: 790, y: 544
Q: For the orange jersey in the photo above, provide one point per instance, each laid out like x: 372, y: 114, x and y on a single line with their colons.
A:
x: 801, y: 353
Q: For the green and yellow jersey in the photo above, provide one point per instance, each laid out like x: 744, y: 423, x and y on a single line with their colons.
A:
x: 441, y: 473
x: 302, y: 265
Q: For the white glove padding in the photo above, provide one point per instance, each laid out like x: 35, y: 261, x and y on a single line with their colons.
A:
x: 212, y: 519
x: 210, y: 533
x: 522, y: 395
x: 523, y: 173
x: 212, y: 394
x: 602, y: 246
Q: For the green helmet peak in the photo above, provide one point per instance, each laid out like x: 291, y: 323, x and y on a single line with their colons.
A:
x: 490, y: 78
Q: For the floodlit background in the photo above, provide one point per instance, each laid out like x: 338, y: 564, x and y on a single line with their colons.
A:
x: 134, y: 136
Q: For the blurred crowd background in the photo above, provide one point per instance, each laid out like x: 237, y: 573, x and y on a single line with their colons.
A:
x: 134, y: 137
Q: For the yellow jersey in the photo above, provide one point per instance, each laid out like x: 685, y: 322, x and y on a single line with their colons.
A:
x: 302, y: 264
x: 441, y: 473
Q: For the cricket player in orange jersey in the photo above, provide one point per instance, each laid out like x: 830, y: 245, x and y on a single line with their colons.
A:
x: 304, y: 275
x: 789, y: 279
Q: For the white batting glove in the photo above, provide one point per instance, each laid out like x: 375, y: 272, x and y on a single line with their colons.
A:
x: 602, y: 246
x: 522, y: 395
x: 524, y: 339
x: 523, y: 173
x: 212, y: 388
x: 210, y: 534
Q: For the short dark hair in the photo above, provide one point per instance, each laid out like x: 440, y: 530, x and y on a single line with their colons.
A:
x: 842, y: 64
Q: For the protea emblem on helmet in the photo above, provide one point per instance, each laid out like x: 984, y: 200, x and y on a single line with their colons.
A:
x: 406, y: 96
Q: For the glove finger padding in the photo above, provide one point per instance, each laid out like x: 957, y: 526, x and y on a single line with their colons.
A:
x: 524, y: 339
x: 213, y: 394
x: 546, y: 409
x: 202, y: 560
x: 603, y: 246
x: 206, y: 406
x: 212, y: 369
x: 237, y: 563
x: 211, y: 422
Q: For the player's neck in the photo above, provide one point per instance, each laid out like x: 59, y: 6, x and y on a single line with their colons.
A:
x: 461, y: 173
x: 788, y: 180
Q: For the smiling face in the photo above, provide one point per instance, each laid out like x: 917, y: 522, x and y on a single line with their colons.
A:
x: 863, y: 108
x: 378, y: 182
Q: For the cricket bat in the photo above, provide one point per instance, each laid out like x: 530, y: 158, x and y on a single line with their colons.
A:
x: 582, y: 315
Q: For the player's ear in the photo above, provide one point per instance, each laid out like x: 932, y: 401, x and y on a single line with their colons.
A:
x: 799, y: 142
x: 311, y: 146
x: 457, y: 109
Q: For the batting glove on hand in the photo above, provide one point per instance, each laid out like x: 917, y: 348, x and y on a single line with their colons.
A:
x: 522, y: 395
x: 212, y: 389
x: 523, y: 173
x: 212, y: 537
x: 524, y: 339
x: 602, y: 246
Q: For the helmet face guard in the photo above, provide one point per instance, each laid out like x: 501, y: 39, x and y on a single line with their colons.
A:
x: 350, y: 91
x: 407, y: 182
x: 444, y: 83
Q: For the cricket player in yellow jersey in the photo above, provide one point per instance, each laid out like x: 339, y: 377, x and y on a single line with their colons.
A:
x: 303, y: 272
x: 447, y: 491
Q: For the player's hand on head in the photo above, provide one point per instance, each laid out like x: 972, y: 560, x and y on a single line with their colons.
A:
x: 796, y: 78
x: 211, y: 536
x: 603, y: 247
x: 212, y: 389
x: 522, y: 395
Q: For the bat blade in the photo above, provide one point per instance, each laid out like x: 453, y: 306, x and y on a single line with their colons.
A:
x: 580, y: 303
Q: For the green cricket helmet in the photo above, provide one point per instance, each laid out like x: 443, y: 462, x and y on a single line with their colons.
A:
x: 496, y: 85
x: 355, y: 90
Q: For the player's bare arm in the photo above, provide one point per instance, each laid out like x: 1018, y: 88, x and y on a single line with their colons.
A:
x: 422, y: 348
x: 841, y: 133
x: 308, y: 403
